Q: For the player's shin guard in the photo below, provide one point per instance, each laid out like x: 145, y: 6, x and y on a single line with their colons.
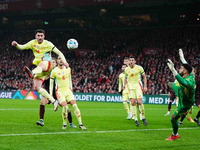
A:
x: 45, y: 94
x: 135, y: 112
x: 64, y: 114
x: 37, y: 70
x: 141, y: 108
x: 174, y: 126
x: 77, y: 113
x: 126, y: 106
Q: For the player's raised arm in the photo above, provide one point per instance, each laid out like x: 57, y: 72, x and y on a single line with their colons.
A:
x: 182, y: 57
x: 186, y: 83
x: 59, y: 53
x: 21, y: 47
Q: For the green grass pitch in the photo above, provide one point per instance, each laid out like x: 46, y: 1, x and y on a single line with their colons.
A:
x: 107, y: 128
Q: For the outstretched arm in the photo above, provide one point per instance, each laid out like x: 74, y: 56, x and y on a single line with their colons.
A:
x: 177, y: 76
x: 59, y: 53
x: 182, y: 57
x: 21, y: 47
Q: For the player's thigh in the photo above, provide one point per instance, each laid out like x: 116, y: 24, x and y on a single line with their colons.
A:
x: 37, y: 83
x: 46, y: 72
x: 132, y: 94
x: 44, y: 65
x: 139, y: 93
x: 125, y: 97
x: 70, y: 97
x: 61, y: 97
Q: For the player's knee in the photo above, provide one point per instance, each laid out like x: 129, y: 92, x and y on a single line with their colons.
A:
x: 42, y: 103
x: 133, y: 103
x: 36, y: 88
x: 64, y: 104
x: 173, y: 119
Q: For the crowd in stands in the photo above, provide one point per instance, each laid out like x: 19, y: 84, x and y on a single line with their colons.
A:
x: 96, y: 65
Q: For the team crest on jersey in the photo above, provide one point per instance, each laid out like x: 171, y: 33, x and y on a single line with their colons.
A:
x: 34, y: 45
x: 38, y: 46
x: 132, y: 71
x: 63, y: 73
x: 59, y: 73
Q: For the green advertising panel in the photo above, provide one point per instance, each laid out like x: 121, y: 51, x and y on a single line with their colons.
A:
x: 87, y: 97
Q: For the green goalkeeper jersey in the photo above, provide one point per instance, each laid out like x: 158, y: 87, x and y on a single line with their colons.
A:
x: 185, y: 91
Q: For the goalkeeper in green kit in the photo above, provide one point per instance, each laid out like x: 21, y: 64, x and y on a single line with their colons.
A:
x: 185, y: 91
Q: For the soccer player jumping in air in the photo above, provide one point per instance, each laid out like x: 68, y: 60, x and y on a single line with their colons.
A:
x: 42, y: 51
x: 185, y: 91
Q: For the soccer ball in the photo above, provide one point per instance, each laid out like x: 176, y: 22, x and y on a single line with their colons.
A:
x: 72, y: 44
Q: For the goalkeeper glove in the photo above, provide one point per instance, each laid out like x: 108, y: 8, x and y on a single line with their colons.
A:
x: 171, y: 67
x: 182, y: 57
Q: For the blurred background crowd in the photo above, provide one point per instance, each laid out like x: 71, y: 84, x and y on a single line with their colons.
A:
x: 96, y: 65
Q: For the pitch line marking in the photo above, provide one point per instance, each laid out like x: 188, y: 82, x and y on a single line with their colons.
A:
x: 1, y: 109
x: 88, y: 132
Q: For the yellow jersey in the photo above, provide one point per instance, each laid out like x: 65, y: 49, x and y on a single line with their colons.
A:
x: 121, y: 83
x: 42, y: 52
x: 62, y: 79
x: 133, y: 76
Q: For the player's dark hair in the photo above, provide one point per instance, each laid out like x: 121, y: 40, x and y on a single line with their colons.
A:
x: 131, y: 57
x: 53, y: 58
x: 123, y: 64
x: 187, y: 67
x: 39, y: 31
x: 125, y: 58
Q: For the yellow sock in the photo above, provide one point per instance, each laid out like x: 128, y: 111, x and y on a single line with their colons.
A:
x: 134, y: 109
x: 190, y: 112
x: 45, y: 94
x: 126, y: 106
x: 77, y: 113
x: 141, y: 108
x: 64, y: 114
x: 37, y: 70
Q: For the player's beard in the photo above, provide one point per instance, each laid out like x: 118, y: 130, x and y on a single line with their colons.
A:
x: 181, y: 74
